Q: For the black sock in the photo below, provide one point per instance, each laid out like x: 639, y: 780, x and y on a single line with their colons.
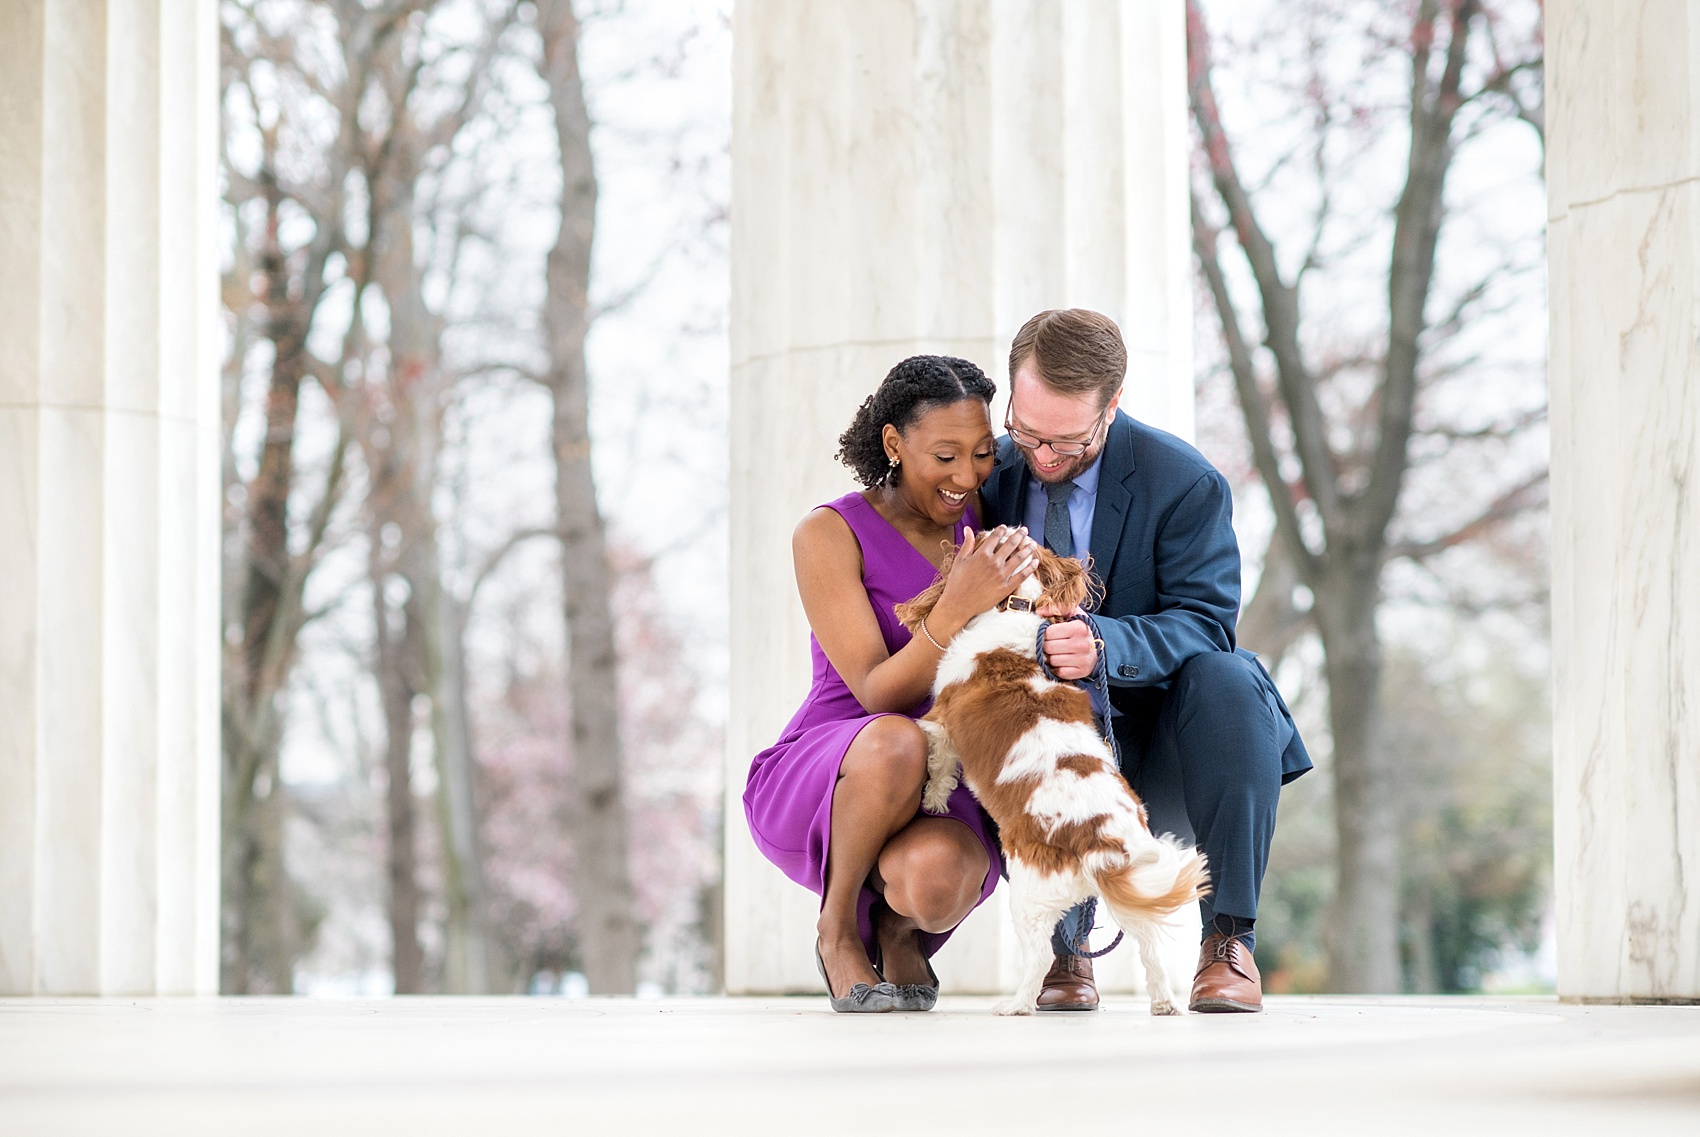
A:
x: 1235, y: 926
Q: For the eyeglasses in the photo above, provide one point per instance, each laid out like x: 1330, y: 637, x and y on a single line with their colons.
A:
x: 1066, y: 449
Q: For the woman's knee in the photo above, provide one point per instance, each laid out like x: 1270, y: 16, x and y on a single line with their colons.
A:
x: 934, y: 880
x: 891, y: 752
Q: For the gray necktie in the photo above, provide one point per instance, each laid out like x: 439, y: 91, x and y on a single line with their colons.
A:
x: 1059, y: 535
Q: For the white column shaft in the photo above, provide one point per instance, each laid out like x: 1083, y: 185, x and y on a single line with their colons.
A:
x: 108, y: 497
x: 1623, y: 178
x: 921, y: 176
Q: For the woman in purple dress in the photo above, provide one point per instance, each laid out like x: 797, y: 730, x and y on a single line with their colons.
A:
x: 835, y: 803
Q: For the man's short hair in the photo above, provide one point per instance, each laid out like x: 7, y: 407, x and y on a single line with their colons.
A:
x: 1077, y: 352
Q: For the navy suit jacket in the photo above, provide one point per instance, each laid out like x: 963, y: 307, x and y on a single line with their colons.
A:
x: 1163, y: 545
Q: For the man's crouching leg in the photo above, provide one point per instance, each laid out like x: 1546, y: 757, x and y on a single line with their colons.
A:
x: 1215, y: 753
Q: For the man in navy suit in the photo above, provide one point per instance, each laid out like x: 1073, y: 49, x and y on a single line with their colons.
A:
x: 1205, y: 738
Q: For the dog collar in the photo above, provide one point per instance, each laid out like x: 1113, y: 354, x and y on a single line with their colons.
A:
x: 1015, y: 604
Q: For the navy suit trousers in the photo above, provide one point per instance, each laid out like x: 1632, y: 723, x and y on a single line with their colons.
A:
x: 1205, y: 758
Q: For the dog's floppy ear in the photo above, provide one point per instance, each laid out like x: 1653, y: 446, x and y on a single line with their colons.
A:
x: 1065, y: 583
x: 911, y: 613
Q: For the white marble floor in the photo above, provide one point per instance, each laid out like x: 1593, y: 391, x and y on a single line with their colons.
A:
x: 1451, y: 1067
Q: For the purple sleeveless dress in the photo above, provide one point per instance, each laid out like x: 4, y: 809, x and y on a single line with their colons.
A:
x: 788, y: 799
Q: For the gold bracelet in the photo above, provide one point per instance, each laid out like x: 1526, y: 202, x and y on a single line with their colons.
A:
x: 929, y: 635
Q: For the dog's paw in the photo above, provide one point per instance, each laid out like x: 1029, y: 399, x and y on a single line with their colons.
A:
x: 1163, y: 1007
x: 1012, y: 1007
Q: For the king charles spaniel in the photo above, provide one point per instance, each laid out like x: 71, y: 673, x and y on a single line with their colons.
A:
x: 1069, y: 823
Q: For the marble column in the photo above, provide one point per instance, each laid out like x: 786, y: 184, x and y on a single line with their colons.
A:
x: 109, y: 437
x: 922, y: 176
x: 1623, y: 178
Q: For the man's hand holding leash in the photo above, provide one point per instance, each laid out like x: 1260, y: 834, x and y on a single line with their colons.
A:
x: 1071, y: 650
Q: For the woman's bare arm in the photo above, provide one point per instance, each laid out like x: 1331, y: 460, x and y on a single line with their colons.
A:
x: 828, y: 561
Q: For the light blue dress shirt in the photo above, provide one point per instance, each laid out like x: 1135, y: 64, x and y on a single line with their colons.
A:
x: 1082, y: 503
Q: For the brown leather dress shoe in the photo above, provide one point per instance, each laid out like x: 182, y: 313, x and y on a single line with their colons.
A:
x: 1227, y: 979
x: 1069, y: 986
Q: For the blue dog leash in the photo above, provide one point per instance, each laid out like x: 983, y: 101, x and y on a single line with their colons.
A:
x: 1097, y: 687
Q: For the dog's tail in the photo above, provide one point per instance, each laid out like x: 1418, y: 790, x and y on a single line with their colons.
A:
x: 1163, y: 876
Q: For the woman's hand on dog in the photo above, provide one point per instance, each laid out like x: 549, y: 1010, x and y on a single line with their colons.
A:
x: 987, y: 568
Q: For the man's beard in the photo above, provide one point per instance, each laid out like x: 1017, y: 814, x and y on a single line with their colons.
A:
x: 1065, y: 472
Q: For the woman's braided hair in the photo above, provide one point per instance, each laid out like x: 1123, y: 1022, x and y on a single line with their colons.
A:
x: 913, y: 387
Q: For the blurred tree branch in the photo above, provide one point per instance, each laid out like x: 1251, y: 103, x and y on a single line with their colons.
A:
x: 1335, y: 488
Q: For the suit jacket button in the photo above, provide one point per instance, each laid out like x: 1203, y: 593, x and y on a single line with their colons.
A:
x: 1128, y: 672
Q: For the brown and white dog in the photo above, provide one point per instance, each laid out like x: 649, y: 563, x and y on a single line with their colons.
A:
x: 1069, y: 823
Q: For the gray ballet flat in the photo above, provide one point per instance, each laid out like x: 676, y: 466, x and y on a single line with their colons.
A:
x: 862, y: 999
x: 919, y: 996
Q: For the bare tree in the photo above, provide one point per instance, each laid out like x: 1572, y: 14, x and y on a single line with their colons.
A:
x: 274, y: 288
x: 401, y: 438
x: 1335, y: 457
x: 354, y: 116
x: 609, y: 936
x: 399, y: 684
x: 397, y: 412
x: 361, y: 77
